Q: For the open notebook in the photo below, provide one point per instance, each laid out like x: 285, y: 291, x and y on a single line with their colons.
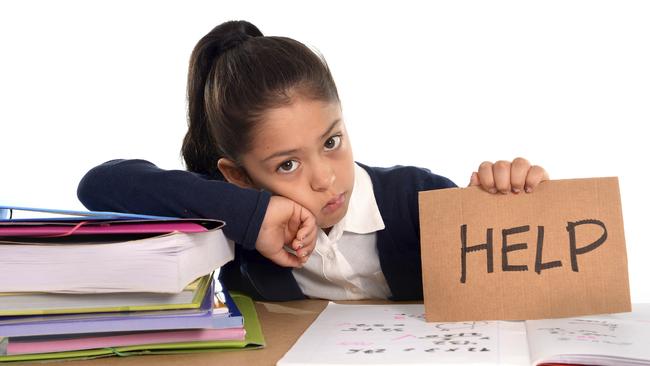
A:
x: 397, y: 334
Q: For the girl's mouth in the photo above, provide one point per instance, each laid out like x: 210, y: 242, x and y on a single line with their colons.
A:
x: 335, y: 203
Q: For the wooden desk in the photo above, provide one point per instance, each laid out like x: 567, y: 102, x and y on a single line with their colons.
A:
x: 282, y: 324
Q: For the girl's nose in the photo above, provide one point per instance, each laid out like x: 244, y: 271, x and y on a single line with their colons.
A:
x: 323, y: 177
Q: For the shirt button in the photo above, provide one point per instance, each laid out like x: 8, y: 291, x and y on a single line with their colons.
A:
x: 355, y: 290
x: 331, y: 256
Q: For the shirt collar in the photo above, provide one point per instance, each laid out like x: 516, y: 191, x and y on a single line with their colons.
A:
x: 363, y: 214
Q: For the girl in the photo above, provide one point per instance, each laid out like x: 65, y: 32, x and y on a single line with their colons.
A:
x: 267, y: 152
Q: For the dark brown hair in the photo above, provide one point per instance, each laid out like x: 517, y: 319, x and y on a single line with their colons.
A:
x: 235, y: 75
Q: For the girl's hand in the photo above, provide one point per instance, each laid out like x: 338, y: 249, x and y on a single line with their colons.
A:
x: 287, y: 223
x: 504, y: 176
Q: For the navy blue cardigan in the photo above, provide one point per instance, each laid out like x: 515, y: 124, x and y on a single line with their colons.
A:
x: 138, y: 186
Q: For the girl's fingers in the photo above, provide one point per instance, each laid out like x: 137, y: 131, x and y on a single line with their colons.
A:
x: 535, y: 175
x: 473, y: 180
x: 299, y: 253
x: 501, y: 171
x: 518, y: 173
x: 299, y: 241
x: 504, y: 176
x: 304, y: 253
x: 305, y: 240
x: 486, y: 177
x: 305, y: 235
x: 285, y: 259
x: 297, y: 244
x: 295, y: 220
x: 302, y: 243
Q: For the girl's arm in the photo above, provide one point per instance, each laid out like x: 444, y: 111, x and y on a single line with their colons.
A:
x: 138, y: 186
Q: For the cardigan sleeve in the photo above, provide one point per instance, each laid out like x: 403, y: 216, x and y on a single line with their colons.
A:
x: 138, y: 186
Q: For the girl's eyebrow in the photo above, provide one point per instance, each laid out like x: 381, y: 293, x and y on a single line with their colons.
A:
x: 336, y: 122
x: 280, y: 153
x: 293, y: 151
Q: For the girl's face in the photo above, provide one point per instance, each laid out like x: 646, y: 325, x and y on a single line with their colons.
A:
x: 302, y: 152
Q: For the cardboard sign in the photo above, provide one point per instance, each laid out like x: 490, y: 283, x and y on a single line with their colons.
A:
x: 556, y: 252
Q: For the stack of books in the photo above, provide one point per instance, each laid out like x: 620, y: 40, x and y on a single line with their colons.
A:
x: 94, y: 284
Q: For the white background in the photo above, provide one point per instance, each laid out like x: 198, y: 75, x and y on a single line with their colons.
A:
x: 443, y: 85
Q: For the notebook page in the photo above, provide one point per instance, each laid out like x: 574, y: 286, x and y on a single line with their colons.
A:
x: 398, y: 334
x: 615, y: 339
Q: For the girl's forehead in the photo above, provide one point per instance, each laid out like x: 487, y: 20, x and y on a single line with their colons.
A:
x: 300, y: 120
x: 301, y: 109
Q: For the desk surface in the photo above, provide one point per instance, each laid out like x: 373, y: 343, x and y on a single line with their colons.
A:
x: 282, y: 324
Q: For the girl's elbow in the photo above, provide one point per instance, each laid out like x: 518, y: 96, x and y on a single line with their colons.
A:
x: 93, y: 185
x: 87, y: 190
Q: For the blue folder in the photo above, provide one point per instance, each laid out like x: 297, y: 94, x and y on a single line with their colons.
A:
x: 7, y: 213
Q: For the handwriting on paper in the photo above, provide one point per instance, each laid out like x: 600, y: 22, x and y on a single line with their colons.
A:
x: 587, y: 330
x: 399, y: 334
x: 437, y: 338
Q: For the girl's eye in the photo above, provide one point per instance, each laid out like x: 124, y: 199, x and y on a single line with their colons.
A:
x: 288, y: 166
x: 332, y: 143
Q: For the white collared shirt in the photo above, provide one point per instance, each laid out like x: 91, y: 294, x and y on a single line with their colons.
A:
x: 345, y: 265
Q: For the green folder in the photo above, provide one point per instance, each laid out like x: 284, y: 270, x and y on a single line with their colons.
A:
x: 254, y: 339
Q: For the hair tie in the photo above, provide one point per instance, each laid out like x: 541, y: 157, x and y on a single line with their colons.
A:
x: 233, y: 40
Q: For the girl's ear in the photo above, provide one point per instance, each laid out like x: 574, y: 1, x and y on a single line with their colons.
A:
x: 234, y: 173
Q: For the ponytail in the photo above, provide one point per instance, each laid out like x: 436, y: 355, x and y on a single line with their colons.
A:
x: 200, y: 151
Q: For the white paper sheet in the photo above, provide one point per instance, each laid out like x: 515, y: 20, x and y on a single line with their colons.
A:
x: 397, y: 334
x: 612, y: 339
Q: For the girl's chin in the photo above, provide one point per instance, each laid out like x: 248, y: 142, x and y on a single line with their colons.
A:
x: 327, y: 223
